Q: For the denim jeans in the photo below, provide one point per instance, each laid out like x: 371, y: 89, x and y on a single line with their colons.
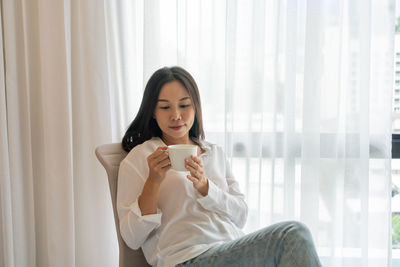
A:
x: 285, y: 244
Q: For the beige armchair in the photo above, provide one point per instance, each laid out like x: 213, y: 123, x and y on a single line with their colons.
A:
x: 110, y: 156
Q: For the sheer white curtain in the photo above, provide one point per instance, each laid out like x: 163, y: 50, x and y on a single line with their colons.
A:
x: 299, y: 94
x: 56, y: 106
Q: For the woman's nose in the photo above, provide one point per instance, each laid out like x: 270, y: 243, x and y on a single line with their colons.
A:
x: 176, y: 115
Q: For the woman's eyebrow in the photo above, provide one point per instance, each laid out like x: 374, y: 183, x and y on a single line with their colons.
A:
x: 165, y: 100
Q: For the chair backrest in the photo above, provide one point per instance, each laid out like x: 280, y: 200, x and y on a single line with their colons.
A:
x: 110, y: 156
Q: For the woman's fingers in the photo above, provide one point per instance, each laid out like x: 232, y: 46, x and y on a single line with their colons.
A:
x: 192, y: 179
x: 196, y: 176
x: 200, y: 183
x: 158, y: 156
x: 159, y: 163
x: 197, y: 173
x: 165, y: 162
x: 191, y: 168
x: 195, y: 169
x: 197, y: 160
x: 159, y: 152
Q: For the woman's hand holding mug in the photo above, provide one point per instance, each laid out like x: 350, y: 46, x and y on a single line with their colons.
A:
x: 159, y: 163
x: 196, y: 176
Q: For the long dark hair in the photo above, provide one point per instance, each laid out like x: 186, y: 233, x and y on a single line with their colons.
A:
x: 144, y: 126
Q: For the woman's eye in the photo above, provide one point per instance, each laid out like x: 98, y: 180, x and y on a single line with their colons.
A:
x: 185, y: 106
x: 164, y: 107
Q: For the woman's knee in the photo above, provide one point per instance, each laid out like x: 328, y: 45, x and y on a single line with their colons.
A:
x: 298, y: 227
x: 298, y: 232
x: 282, y: 234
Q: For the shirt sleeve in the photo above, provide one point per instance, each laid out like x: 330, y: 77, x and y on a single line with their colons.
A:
x: 230, y: 203
x: 134, y: 227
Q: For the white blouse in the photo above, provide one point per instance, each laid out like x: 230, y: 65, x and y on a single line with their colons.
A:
x: 186, y: 223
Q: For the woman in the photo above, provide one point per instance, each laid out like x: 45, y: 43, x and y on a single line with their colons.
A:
x: 193, y: 218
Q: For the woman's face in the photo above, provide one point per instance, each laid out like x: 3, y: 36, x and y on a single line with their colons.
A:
x: 174, y: 113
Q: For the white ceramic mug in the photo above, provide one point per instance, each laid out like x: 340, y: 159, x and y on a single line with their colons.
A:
x: 178, y: 154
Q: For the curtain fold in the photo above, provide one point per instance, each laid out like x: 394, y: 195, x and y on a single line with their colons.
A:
x: 55, y: 203
x: 298, y: 93
x: 7, y: 242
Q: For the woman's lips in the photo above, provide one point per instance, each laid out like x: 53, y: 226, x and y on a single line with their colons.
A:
x: 176, y: 128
